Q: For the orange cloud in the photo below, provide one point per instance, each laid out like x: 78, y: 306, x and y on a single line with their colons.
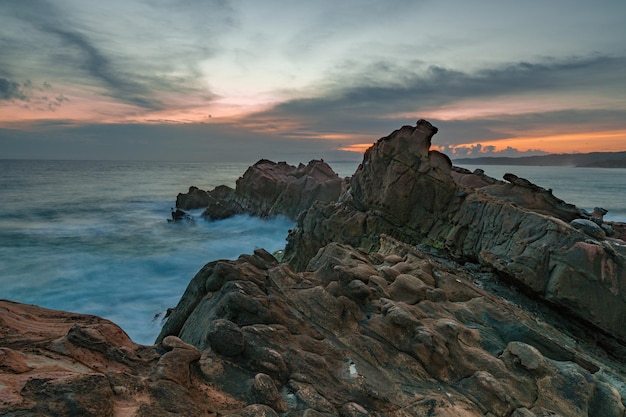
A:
x: 578, y: 142
x: 356, y: 147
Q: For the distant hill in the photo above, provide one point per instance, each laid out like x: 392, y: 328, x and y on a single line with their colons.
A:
x: 593, y: 159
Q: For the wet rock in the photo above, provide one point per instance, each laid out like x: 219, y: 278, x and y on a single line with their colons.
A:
x: 268, y: 189
x: 352, y: 409
x: 258, y: 410
x: 74, y: 395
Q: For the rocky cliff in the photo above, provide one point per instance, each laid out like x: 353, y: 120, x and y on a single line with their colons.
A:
x: 418, y: 290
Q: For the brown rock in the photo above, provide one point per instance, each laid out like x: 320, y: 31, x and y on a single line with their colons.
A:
x: 264, y: 392
x: 258, y: 410
x: 12, y: 361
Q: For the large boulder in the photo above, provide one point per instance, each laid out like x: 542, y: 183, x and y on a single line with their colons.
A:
x: 405, y: 190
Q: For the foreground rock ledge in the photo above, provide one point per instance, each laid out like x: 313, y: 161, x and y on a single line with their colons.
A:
x: 394, y: 332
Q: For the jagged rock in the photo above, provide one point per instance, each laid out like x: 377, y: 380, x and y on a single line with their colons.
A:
x: 517, y: 228
x: 267, y: 189
x: 194, y: 198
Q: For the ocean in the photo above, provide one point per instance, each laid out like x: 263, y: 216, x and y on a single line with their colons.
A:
x: 93, y: 237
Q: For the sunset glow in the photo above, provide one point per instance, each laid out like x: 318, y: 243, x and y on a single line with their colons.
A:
x: 308, y: 79
x: 582, y: 142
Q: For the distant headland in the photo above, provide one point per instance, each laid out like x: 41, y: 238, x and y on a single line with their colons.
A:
x: 593, y: 159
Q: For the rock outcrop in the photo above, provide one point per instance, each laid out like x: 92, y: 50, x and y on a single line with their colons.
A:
x: 407, y: 191
x: 268, y: 188
x: 54, y: 363
x: 395, y: 332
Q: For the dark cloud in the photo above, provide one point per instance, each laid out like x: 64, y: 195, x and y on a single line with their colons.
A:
x: 98, y: 66
x: 168, y: 39
x: 423, y: 89
x: 10, y: 90
x: 358, y: 104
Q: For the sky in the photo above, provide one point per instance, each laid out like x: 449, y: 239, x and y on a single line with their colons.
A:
x: 241, y: 80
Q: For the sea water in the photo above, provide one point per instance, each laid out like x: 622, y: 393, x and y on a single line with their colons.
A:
x: 93, y: 237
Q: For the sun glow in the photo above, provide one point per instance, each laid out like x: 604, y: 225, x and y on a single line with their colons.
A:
x: 579, y: 142
x: 356, y: 147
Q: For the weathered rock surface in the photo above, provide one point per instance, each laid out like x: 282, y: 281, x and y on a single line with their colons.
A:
x: 55, y: 363
x: 268, y: 188
x: 522, y: 231
x: 395, y: 332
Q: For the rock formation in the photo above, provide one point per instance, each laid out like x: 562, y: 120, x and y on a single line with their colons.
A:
x: 396, y: 301
x: 520, y: 230
x: 267, y: 188
x: 54, y: 363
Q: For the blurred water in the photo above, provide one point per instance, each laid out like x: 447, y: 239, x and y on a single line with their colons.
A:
x: 93, y: 237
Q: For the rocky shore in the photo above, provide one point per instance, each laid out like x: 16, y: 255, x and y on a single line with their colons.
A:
x: 413, y: 288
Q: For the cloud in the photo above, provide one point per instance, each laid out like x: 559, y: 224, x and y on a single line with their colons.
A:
x: 137, y: 53
x: 374, y: 100
x: 208, y: 142
x: 479, y: 150
x: 11, y: 90
x: 98, y: 66
x: 407, y: 87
